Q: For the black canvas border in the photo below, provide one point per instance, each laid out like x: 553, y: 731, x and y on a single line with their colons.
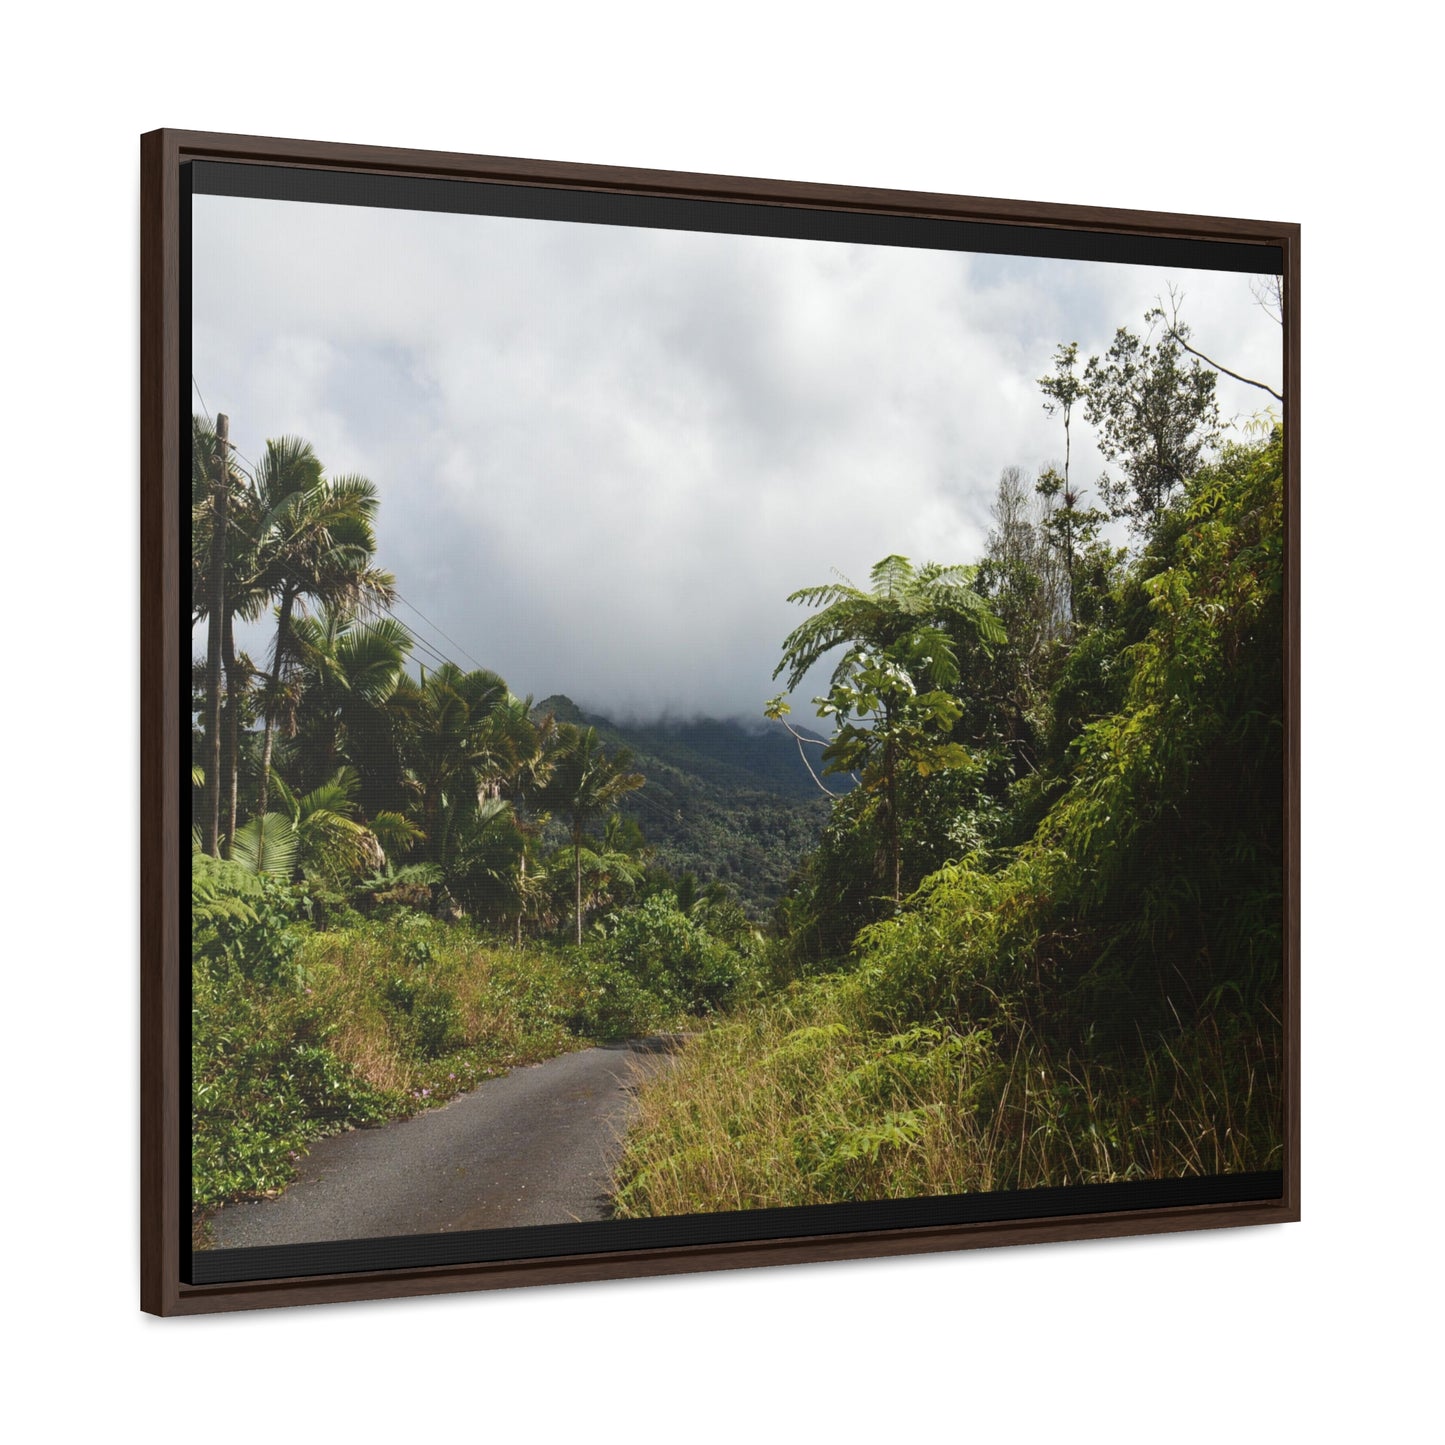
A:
x: 677, y: 213
x: 288, y: 1261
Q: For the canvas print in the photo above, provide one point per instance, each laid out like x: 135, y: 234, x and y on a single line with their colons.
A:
x: 686, y: 723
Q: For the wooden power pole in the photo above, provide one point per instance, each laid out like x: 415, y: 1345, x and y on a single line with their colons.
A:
x: 220, y: 496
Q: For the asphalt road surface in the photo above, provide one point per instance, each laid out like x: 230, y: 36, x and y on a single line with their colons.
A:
x: 537, y: 1146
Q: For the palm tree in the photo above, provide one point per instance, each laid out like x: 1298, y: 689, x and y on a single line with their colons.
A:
x: 453, y: 752
x: 349, y: 671
x: 619, y: 863
x: 485, y: 847
x: 317, y: 834
x: 897, y: 636
x: 315, y: 540
x: 587, y: 783
x: 530, y: 748
x: 213, y: 495
x: 244, y: 593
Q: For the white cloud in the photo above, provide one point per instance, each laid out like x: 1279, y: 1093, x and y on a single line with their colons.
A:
x: 607, y: 455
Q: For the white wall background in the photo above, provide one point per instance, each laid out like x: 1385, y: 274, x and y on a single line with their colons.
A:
x: 1307, y: 1332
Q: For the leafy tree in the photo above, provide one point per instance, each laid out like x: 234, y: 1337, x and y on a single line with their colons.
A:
x: 1019, y: 574
x: 527, y: 755
x: 484, y: 863
x: 348, y: 671
x: 1064, y: 389
x: 490, y: 841
x: 609, y: 877
x: 617, y: 867
x: 1070, y: 528
x: 1155, y: 418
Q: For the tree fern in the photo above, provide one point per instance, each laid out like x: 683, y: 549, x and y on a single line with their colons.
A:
x: 221, y: 891
x: 902, y: 598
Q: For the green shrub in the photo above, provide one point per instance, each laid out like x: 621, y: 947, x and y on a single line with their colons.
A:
x: 262, y: 1087
x: 245, y: 924
x: 614, y: 1004
x: 673, y: 957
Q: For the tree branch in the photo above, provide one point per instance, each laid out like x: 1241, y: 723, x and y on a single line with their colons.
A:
x: 1209, y: 361
x: 800, y: 739
x: 1176, y: 332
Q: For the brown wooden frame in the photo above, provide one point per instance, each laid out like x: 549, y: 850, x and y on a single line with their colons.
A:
x: 162, y: 1223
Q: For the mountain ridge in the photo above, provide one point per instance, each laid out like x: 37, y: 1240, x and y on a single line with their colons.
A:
x: 727, y: 801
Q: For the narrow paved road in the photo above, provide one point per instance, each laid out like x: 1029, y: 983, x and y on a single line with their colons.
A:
x: 535, y: 1147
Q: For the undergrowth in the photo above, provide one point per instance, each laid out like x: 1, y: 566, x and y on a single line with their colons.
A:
x: 298, y: 1033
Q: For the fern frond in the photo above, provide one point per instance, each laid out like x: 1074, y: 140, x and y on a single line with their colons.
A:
x: 892, y: 576
x: 824, y: 595
x: 220, y: 891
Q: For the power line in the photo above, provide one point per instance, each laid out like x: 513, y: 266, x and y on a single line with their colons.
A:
x: 423, y: 644
x: 418, y: 641
x: 231, y: 446
x: 245, y: 458
x: 412, y: 632
x: 439, y: 631
x: 435, y: 653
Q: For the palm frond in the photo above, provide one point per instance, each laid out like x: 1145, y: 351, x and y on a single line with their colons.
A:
x: 396, y: 833
x: 268, y: 844
x: 338, y: 794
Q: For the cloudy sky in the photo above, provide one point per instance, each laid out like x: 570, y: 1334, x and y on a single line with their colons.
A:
x: 606, y: 455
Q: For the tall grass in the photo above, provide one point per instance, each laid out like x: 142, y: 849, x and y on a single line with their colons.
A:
x: 803, y: 1103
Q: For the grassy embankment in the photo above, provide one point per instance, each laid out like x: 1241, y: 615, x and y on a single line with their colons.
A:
x: 809, y: 1101
x: 300, y: 1032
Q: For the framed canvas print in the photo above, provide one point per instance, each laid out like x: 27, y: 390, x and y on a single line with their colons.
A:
x: 693, y: 722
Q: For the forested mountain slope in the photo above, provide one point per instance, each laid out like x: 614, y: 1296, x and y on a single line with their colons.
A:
x: 727, y: 801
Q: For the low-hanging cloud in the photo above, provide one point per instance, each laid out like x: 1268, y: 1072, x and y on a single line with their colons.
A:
x: 607, y: 455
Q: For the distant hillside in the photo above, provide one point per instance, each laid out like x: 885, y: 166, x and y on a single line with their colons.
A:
x: 730, y: 802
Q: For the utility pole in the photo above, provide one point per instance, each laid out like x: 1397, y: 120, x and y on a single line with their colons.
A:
x: 220, y: 496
